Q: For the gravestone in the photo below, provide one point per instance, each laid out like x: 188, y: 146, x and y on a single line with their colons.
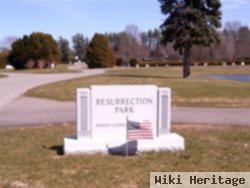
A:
x: 103, y: 113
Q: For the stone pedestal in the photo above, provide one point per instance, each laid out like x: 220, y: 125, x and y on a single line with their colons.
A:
x: 169, y: 142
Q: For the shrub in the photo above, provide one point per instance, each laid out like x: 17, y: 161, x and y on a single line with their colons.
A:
x: 133, y: 62
x: 37, y: 50
x: 161, y: 63
x: 121, y: 62
x: 179, y: 63
x: 99, y: 54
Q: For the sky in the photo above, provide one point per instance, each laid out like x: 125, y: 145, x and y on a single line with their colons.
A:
x: 68, y: 17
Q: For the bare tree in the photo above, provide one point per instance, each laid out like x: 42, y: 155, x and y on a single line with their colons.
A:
x: 234, y: 45
x: 229, y: 45
x: 232, y: 29
x: 128, y: 47
x: 243, y: 43
x: 7, y: 42
x: 133, y: 31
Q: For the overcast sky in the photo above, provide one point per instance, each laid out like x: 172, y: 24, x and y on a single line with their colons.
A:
x: 67, y: 17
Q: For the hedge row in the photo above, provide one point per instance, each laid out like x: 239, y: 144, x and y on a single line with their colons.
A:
x: 179, y: 63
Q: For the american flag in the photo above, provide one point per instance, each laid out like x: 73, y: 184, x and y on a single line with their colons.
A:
x: 136, y: 130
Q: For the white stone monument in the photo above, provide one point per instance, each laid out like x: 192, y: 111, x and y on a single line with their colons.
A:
x: 102, y: 113
x: 9, y: 67
x: 52, y: 66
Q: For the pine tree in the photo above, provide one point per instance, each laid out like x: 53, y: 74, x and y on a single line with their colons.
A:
x: 63, y: 45
x: 190, y: 22
x: 80, y: 44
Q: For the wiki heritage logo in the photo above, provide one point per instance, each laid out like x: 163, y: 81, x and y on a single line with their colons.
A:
x: 204, y: 179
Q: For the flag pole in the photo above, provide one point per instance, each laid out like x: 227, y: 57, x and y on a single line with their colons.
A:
x: 126, y: 139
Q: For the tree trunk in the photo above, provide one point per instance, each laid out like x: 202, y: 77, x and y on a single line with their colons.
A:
x: 186, y: 62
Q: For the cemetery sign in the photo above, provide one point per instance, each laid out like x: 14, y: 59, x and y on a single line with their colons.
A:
x: 103, y: 113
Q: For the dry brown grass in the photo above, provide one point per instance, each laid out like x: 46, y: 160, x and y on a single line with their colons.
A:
x: 3, y: 76
x: 196, y: 91
x: 29, y: 156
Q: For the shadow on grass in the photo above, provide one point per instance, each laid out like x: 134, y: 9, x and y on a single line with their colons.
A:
x: 58, y: 149
x: 127, y: 149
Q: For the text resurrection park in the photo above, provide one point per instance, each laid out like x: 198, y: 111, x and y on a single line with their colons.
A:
x: 240, y: 180
x: 123, y: 105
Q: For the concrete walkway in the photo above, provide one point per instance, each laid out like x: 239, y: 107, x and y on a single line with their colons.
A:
x: 16, y: 84
x: 26, y: 111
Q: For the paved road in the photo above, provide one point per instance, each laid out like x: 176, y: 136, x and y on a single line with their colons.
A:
x: 16, y: 84
x: 218, y: 116
x: 26, y: 111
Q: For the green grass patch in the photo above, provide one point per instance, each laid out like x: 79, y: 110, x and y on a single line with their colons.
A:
x: 61, y: 68
x: 198, y: 91
x: 29, y: 156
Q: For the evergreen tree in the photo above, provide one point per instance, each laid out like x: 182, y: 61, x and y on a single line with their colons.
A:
x: 65, y: 50
x: 80, y: 44
x: 36, y: 50
x: 99, y: 54
x: 190, y: 22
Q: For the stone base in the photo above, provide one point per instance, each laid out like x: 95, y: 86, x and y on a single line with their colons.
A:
x: 169, y: 142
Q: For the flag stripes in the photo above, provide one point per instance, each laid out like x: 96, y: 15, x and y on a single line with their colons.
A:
x: 136, y: 130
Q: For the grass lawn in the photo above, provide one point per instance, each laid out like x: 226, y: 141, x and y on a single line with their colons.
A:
x: 61, y: 68
x: 29, y: 156
x: 196, y: 91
